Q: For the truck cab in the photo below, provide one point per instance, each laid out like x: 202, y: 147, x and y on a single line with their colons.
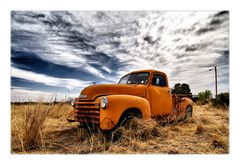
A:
x: 143, y: 93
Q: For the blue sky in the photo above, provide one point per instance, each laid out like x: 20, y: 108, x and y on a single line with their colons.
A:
x: 61, y: 52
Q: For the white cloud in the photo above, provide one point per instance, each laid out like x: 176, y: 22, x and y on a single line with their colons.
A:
x: 150, y: 40
x: 169, y: 35
x: 47, y: 80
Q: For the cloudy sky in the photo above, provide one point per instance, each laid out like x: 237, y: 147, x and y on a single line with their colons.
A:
x: 61, y: 52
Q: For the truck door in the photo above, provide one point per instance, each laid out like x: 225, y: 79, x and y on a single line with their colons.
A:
x: 160, y: 96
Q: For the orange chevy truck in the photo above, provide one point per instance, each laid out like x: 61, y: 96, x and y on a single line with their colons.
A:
x: 143, y: 93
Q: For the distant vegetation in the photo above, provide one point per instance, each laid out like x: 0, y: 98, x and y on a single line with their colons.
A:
x: 205, y: 96
x: 222, y: 99
x: 46, y: 102
x: 181, y: 89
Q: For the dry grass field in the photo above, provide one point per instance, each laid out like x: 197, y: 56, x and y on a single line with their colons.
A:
x: 43, y: 129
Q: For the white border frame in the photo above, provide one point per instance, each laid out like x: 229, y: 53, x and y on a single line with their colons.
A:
x: 7, y: 5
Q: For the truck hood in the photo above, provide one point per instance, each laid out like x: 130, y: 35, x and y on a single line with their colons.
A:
x: 94, y: 91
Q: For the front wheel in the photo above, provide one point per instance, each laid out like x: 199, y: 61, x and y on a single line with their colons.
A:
x: 127, y: 117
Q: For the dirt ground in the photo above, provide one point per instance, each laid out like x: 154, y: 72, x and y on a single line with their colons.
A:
x: 207, y: 132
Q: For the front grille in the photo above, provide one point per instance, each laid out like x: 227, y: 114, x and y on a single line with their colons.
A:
x: 87, y: 112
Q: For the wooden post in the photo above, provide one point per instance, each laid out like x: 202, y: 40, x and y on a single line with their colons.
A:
x: 216, y: 80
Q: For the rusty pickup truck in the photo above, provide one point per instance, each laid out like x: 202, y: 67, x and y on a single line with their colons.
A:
x: 143, y: 93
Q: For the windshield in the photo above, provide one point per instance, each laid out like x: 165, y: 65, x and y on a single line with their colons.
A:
x: 135, y: 78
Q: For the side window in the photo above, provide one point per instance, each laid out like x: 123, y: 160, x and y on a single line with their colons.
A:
x: 159, y: 80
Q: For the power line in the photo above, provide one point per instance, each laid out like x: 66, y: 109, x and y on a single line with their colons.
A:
x: 221, y: 72
x: 218, y: 77
x: 192, y: 77
x: 221, y: 82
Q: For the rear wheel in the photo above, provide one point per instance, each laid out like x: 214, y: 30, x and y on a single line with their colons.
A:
x: 188, y: 113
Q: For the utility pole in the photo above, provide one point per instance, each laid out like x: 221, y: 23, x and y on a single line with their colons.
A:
x: 216, y: 80
x: 215, y: 68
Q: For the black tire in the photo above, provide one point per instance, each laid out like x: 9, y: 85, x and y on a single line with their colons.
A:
x: 128, y: 116
x: 114, y: 134
x: 188, y: 112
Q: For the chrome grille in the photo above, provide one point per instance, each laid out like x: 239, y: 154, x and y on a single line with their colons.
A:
x: 87, y: 112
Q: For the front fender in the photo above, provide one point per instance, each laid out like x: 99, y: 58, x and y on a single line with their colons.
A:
x: 117, y: 104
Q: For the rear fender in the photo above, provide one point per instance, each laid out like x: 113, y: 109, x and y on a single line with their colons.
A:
x: 184, y: 104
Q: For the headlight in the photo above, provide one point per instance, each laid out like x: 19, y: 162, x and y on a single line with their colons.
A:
x: 104, y: 102
x: 82, y: 96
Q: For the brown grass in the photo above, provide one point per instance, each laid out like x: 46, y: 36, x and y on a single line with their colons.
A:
x: 43, y: 128
x: 29, y: 121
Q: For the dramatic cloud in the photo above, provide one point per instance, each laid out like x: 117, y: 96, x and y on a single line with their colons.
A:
x: 47, y: 80
x: 61, y: 50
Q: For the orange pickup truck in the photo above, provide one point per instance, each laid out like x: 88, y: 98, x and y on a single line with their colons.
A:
x: 143, y: 93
